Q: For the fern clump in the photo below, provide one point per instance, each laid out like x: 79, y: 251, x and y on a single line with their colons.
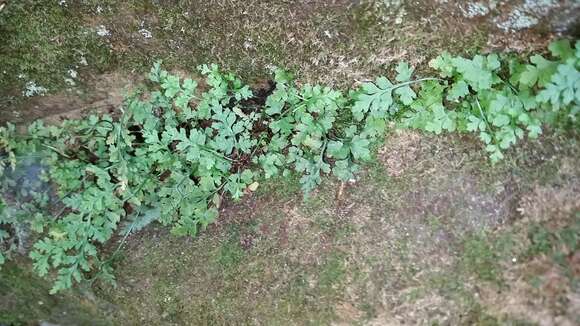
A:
x: 175, y: 150
x: 500, y: 100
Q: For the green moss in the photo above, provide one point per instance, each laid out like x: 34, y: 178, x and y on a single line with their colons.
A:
x: 169, y: 302
x: 279, y: 187
x: 19, y: 293
x: 332, y: 272
x: 557, y: 243
x: 230, y: 255
x: 480, y: 258
x: 41, y: 40
x: 377, y: 175
x: 24, y: 300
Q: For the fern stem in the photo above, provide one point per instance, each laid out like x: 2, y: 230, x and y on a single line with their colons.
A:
x: 416, y: 81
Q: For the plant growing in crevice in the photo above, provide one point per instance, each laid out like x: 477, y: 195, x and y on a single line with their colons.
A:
x: 175, y: 151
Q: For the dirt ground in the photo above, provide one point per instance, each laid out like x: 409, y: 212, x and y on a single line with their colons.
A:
x: 429, y: 234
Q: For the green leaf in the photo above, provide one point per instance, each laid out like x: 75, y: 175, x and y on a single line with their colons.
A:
x: 283, y: 77
x: 474, y: 72
x: 275, y: 103
x: 344, y: 170
x: 374, y: 127
x: 530, y: 76
x: 374, y: 99
x: 141, y: 221
x: 474, y: 123
x: 243, y: 93
x: 563, y: 88
x: 209, y: 216
x: 404, y: 72
x: 359, y: 147
x: 561, y: 49
x: 337, y: 150
x: 493, y: 62
x: 406, y: 94
x: 441, y: 120
x: 458, y: 90
x: 495, y: 153
x: 501, y: 120
x: 171, y: 85
x: 157, y: 73
x: 271, y: 163
x: 443, y: 63
x: 534, y: 130
x: 545, y: 69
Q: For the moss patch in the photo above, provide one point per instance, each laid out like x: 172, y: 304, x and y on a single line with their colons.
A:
x: 24, y: 300
x: 42, y: 42
x: 335, y: 43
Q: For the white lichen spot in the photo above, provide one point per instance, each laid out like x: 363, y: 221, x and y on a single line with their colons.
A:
x: 145, y: 33
x: 392, y: 3
x: 539, y: 7
x: 248, y: 44
x: 103, y: 31
x: 99, y: 9
x: 527, y: 15
x: 32, y: 89
x: 475, y: 9
x: 399, y: 20
x: 271, y: 67
x: 517, y: 20
x: 83, y: 61
x: 72, y: 73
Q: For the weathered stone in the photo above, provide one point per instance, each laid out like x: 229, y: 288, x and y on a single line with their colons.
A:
x: 558, y: 16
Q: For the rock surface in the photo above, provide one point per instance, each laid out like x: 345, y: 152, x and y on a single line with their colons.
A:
x: 517, y: 15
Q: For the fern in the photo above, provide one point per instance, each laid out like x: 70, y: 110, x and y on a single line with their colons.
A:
x: 176, y: 151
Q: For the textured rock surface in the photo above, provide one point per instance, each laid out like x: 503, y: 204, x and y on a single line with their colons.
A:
x: 560, y: 16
